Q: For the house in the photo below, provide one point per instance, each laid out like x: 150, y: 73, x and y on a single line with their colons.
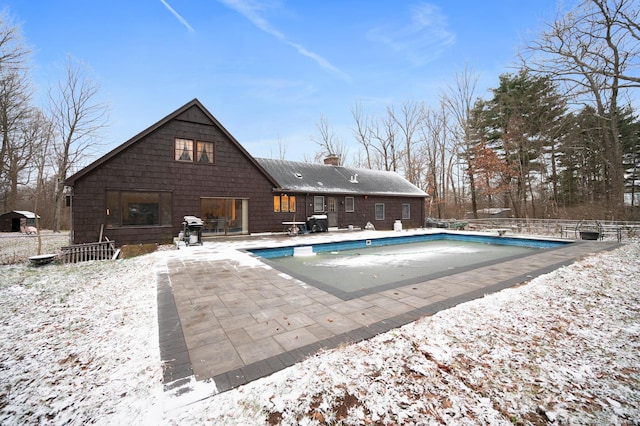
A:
x: 17, y: 221
x: 348, y: 196
x: 189, y: 164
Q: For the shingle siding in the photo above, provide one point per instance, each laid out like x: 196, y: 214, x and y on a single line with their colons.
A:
x: 146, y: 163
x: 149, y: 165
x: 364, y: 210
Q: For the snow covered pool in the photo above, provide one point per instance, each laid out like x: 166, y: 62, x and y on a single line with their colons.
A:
x: 351, y: 267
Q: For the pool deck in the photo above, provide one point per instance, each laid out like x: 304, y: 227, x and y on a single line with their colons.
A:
x: 225, y: 316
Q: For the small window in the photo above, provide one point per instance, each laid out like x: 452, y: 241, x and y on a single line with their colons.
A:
x: 406, y: 211
x: 379, y: 211
x: 284, y: 203
x: 349, y: 204
x: 318, y: 204
x: 205, y: 152
x: 183, y: 150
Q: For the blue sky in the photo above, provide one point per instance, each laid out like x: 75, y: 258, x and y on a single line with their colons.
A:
x: 268, y: 69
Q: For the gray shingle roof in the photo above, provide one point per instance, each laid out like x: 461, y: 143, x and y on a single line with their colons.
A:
x: 319, y: 178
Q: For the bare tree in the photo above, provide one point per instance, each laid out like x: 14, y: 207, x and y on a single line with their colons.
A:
x: 282, y: 148
x: 15, y: 114
x: 433, y: 151
x: 40, y: 134
x: 438, y: 152
x: 408, y: 120
x: 378, y: 138
x: 362, y: 132
x: 13, y: 51
x: 328, y: 141
x: 384, y: 133
x: 458, y: 101
x: 77, y: 115
x: 595, y: 51
x: 15, y: 95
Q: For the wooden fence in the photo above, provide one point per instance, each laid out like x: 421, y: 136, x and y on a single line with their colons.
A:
x: 104, y: 250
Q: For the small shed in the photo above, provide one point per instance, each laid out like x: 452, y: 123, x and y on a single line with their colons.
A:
x: 17, y: 220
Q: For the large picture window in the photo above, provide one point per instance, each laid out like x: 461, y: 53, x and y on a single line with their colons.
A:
x: 138, y: 208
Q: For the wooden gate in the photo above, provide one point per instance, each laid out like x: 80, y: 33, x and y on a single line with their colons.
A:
x: 104, y: 250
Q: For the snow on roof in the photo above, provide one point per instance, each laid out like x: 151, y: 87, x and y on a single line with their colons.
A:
x: 321, y: 178
x: 26, y: 214
x: 493, y: 210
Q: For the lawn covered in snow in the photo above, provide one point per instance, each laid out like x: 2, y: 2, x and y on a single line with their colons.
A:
x: 79, y: 344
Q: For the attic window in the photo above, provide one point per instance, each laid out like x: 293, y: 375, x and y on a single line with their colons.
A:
x: 298, y: 175
x: 184, y: 150
x: 204, y: 152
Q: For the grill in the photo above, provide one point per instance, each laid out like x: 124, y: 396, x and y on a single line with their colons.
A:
x: 191, y: 230
x: 318, y: 223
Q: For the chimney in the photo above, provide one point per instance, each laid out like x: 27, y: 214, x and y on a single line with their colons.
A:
x: 332, y: 160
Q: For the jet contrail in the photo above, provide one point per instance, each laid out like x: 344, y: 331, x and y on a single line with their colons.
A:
x: 251, y: 12
x: 177, y: 15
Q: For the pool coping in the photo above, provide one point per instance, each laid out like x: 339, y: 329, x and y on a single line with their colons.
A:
x: 194, y: 342
x: 349, y: 295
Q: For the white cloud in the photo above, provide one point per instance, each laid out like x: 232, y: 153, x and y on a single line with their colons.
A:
x: 422, y: 40
x: 251, y: 11
x: 177, y: 15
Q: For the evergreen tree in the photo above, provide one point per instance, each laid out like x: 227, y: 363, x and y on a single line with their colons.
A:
x: 523, y: 122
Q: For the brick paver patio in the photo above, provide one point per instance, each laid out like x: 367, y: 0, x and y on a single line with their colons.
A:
x: 225, y: 316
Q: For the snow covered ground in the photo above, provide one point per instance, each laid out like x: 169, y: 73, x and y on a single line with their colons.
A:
x: 79, y: 344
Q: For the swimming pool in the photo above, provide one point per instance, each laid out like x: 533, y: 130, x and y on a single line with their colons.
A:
x: 350, y: 269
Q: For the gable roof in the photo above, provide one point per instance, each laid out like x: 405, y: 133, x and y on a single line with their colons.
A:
x: 320, y: 178
x: 177, y: 113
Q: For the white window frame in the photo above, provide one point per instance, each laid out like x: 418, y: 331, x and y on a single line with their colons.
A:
x: 318, y: 204
x: 377, y: 216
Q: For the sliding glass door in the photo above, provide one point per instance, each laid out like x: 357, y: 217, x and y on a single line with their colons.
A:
x: 225, y: 216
